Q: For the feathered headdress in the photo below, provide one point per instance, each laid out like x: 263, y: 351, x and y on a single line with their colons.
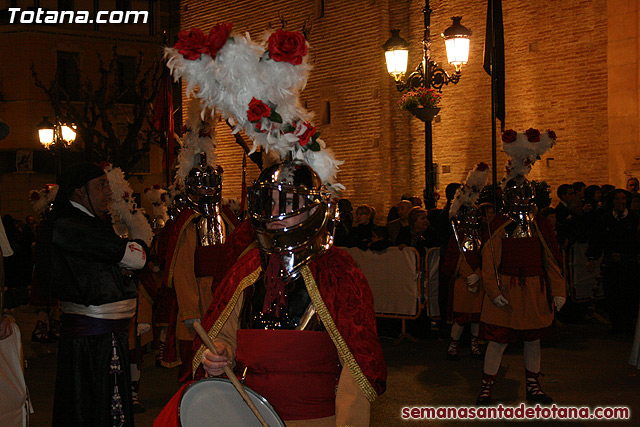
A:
x: 42, y: 199
x: 124, y: 207
x: 156, y: 195
x: 524, y: 149
x: 468, y: 194
x: 198, y: 137
x: 256, y: 87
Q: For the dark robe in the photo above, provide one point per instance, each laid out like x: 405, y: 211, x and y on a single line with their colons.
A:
x: 92, y: 353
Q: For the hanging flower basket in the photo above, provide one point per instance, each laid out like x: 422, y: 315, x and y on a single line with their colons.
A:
x: 426, y: 114
x: 421, y: 102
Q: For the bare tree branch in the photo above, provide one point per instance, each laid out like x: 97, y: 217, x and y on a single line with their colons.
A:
x: 112, y: 118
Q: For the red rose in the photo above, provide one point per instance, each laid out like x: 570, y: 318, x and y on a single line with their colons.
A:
x: 257, y: 110
x: 156, y: 186
x: 35, y: 196
x: 482, y: 166
x: 533, y: 135
x: 104, y: 165
x: 304, y: 133
x: 509, y: 136
x: 125, y: 195
x: 551, y: 134
x: 218, y: 37
x: 287, y: 46
x: 191, y: 44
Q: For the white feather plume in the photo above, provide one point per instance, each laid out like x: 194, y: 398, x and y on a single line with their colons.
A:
x: 524, y: 149
x: 123, y: 207
x: 198, y: 138
x: 42, y: 199
x: 469, y: 192
x: 156, y: 195
x: 243, y: 70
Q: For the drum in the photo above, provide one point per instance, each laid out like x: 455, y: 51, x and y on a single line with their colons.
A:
x: 216, y: 402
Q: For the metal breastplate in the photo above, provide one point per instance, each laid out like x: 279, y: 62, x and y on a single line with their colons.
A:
x: 292, y: 316
x: 210, y: 227
x: 522, y: 225
x: 467, y: 235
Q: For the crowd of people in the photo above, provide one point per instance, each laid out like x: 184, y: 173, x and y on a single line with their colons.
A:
x: 603, y: 218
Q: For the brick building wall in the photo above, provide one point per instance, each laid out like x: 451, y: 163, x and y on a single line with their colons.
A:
x: 556, y: 78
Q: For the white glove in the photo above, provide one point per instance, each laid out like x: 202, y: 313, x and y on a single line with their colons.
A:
x: 500, y: 301
x: 143, y: 328
x: 189, y: 322
x: 559, y: 302
x: 472, y: 280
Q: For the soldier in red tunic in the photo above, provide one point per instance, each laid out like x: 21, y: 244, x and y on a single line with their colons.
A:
x: 204, y: 242
x: 462, y: 262
x: 520, y: 271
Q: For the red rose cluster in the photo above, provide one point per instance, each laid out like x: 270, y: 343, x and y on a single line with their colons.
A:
x: 533, y: 135
x: 257, y: 110
x: 509, y: 136
x: 482, y: 166
x: 287, y: 46
x: 305, y: 132
x: 192, y: 44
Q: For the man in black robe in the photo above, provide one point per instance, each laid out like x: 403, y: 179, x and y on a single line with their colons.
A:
x: 89, y: 268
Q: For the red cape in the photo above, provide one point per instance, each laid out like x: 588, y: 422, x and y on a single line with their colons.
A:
x: 347, y: 296
x: 346, y: 293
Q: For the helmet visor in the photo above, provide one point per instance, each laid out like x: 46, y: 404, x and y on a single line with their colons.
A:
x: 274, y: 202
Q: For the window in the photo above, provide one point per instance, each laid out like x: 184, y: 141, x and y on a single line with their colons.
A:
x: 126, y: 79
x: 68, y: 74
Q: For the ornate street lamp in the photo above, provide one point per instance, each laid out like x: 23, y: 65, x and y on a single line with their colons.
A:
x: 56, y: 136
x: 428, y: 74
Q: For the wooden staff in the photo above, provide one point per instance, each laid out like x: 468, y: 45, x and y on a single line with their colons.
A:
x: 229, y: 373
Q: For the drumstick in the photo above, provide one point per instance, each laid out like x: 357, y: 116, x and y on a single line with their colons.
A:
x: 227, y: 370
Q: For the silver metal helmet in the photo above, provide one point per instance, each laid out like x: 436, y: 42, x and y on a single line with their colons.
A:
x: 203, y: 187
x: 291, y: 214
x: 157, y: 224
x: 519, y: 202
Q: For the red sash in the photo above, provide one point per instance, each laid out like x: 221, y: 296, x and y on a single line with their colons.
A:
x: 296, y: 371
x: 522, y: 257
